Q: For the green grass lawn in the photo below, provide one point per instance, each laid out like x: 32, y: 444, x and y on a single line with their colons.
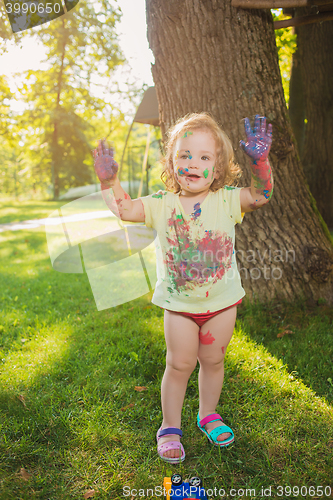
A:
x: 80, y: 390
x: 15, y: 210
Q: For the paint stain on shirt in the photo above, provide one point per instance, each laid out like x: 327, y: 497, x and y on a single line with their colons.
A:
x: 197, y: 211
x: 195, y: 260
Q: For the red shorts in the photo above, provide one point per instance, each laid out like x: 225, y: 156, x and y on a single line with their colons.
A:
x: 201, y: 318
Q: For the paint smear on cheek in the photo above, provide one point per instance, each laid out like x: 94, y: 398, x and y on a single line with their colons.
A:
x: 223, y: 350
x: 182, y: 171
x: 205, y: 172
x: 206, y: 339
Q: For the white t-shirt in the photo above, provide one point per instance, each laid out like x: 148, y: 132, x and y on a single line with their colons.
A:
x: 195, y: 253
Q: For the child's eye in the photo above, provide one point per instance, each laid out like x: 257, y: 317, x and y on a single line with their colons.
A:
x: 205, y: 158
x: 184, y: 157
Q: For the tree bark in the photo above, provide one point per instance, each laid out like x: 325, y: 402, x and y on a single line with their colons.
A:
x: 213, y: 57
x: 315, y: 46
x: 296, y: 101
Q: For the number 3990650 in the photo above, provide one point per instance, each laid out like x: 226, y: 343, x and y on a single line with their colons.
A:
x: 33, y: 8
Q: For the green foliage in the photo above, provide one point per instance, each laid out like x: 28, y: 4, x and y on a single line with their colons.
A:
x: 6, y: 34
x: 69, y: 105
x: 286, y: 42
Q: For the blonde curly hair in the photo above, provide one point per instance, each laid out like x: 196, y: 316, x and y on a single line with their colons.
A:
x: 229, y: 171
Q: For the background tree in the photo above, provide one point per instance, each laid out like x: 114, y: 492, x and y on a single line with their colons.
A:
x: 213, y: 57
x: 63, y: 101
x: 311, y: 108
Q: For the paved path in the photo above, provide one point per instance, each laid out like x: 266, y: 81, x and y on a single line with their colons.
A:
x: 53, y: 221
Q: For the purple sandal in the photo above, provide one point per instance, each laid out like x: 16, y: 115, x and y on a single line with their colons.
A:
x: 170, y: 445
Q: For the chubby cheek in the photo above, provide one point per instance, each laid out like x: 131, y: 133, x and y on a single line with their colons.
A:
x: 178, y: 170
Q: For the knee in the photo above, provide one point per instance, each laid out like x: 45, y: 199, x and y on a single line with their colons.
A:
x: 181, y: 366
x: 212, y: 361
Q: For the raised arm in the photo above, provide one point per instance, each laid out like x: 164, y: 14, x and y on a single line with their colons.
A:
x: 257, y: 147
x: 120, y: 202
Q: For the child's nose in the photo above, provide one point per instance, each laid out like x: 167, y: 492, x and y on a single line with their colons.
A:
x: 192, y: 162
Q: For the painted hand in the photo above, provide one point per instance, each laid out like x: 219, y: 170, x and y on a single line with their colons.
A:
x: 259, y: 140
x: 105, y: 166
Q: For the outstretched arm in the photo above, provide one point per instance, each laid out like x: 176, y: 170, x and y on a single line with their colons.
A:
x: 120, y: 203
x: 257, y: 147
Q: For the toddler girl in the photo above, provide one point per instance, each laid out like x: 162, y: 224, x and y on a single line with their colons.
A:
x: 198, y: 284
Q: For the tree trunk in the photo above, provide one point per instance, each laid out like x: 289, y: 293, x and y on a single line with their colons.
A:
x: 315, y: 46
x: 213, y: 57
x: 296, y: 101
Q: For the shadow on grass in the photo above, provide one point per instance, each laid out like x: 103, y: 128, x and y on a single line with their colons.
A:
x: 298, y: 334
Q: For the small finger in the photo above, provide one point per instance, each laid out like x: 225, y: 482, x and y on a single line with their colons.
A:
x: 100, y: 147
x: 105, y: 147
x: 94, y: 153
x: 247, y: 126
x: 242, y: 145
x: 263, y: 125
x: 256, y: 124
x: 269, y: 129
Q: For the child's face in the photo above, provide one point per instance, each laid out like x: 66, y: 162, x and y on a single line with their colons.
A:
x: 194, y: 157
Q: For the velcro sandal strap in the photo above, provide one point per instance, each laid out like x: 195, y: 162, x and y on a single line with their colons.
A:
x: 223, y: 429
x: 210, y: 418
x: 170, y: 430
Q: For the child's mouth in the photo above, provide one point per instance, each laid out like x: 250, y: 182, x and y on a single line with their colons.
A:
x: 193, y: 177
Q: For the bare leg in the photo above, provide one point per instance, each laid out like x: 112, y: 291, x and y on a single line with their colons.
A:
x: 182, y: 340
x: 214, y: 336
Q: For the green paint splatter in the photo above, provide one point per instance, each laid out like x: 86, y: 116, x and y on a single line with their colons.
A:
x: 205, y: 172
x: 229, y: 188
x: 189, y: 133
x: 159, y: 194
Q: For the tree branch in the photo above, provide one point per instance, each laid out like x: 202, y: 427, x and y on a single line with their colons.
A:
x: 275, y: 4
x: 299, y: 21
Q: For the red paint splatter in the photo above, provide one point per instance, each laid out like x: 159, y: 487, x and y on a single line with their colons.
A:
x: 206, y: 339
x: 223, y: 350
x: 207, y: 294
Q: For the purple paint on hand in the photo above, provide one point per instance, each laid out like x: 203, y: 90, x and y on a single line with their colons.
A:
x: 258, y: 143
x: 105, y: 166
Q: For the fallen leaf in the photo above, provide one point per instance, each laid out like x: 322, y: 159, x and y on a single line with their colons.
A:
x: 285, y: 332
x: 139, y: 388
x: 89, y: 494
x: 25, y: 474
x: 21, y: 398
x: 128, y: 406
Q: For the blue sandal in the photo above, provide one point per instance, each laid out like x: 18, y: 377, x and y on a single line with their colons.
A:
x: 213, y: 435
x: 170, y: 445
